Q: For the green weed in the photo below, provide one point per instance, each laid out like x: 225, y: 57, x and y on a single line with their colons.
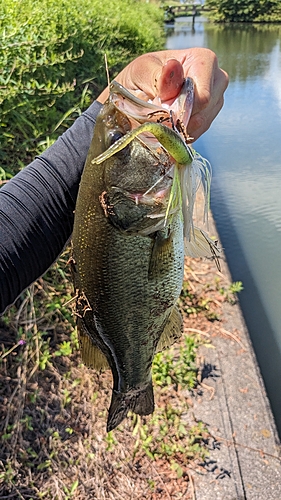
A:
x: 167, y: 436
x: 230, y: 292
x: 191, y: 303
x: 110, y: 441
x: 70, y: 492
x: 180, y: 371
x: 52, y: 65
x: 65, y: 349
x: 8, y: 474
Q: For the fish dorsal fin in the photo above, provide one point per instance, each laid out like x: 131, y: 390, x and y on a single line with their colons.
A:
x: 172, y: 331
x: 90, y: 353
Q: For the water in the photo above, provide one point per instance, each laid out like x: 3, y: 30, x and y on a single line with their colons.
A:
x: 244, y: 147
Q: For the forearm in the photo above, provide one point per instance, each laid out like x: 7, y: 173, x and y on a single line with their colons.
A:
x: 37, y: 209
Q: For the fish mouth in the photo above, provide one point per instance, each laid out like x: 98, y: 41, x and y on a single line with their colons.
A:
x: 141, y: 111
x: 140, y: 401
x: 134, y: 108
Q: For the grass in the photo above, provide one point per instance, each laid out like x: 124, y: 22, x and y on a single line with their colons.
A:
x: 52, y: 64
x: 53, y: 409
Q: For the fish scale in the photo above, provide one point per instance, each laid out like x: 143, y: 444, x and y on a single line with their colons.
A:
x: 128, y: 252
x: 127, y: 284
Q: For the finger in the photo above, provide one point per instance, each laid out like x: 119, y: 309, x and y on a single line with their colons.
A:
x: 207, y: 96
x: 170, y: 80
x: 151, y: 75
x: 155, y: 74
x: 210, y: 81
x: 201, y: 122
x: 209, y: 104
x: 202, y: 67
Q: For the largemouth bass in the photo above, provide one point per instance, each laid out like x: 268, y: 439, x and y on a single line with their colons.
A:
x: 128, y: 246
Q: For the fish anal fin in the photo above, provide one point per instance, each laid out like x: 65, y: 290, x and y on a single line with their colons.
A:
x: 140, y: 401
x: 90, y: 353
x: 172, y: 331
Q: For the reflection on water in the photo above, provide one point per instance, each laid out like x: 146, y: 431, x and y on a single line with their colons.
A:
x: 244, y: 147
x: 246, y: 50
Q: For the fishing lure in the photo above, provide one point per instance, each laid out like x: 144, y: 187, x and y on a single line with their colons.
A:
x: 190, y: 171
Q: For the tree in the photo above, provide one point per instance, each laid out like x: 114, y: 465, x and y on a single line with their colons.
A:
x: 244, y: 10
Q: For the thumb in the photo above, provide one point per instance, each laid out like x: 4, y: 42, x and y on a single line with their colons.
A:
x: 154, y: 76
x: 170, y: 80
x: 150, y: 76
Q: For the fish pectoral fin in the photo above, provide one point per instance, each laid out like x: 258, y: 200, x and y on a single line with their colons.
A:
x: 160, y: 255
x: 172, y: 331
x: 199, y: 244
x: 140, y: 401
x: 90, y: 353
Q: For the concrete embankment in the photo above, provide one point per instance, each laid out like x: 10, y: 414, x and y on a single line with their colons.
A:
x: 245, y: 462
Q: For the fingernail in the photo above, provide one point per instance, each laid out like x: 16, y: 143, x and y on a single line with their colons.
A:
x: 171, y: 80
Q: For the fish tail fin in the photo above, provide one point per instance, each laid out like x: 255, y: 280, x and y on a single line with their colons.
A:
x: 139, y: 401
x: 144, y: 404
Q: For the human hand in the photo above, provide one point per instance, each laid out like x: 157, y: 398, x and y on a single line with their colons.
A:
x: 162, y: 73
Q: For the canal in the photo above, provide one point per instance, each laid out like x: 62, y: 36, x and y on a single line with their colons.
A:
x: 244, y: 147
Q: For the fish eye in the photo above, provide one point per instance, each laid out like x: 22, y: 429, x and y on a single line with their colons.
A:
x: 114, y: 136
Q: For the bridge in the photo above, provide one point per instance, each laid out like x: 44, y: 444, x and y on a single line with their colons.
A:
x: 187, y: 10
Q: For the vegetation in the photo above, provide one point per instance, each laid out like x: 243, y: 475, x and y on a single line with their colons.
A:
x: 52, y: 64
x: 244, y: 10
x: 53, y: 443
x: 53, y: 409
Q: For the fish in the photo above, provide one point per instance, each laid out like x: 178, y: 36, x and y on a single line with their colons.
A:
x: 132, y: 218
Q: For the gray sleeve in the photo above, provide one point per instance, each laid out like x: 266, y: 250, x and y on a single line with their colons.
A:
x: 37, y: 208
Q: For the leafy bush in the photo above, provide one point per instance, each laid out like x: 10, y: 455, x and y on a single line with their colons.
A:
x: 52, y: 63
x: 244, y: 10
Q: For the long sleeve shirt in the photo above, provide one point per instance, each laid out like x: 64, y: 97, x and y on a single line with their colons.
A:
x: 37, y: 209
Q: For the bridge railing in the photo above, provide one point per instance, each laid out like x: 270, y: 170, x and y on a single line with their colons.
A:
x: 190, y: 9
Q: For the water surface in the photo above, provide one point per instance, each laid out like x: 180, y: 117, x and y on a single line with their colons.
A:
x: 244, y: 147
